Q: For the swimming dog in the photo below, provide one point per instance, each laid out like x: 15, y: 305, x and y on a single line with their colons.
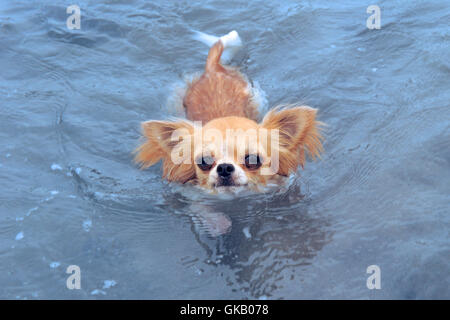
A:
x: 221, y: 145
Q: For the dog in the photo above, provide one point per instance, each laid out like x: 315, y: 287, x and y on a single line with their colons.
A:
x: 221, y: 146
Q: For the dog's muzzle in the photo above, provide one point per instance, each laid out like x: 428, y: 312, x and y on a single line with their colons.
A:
x: 225, y: 171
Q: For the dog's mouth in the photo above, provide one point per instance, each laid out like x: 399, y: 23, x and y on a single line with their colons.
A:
x: 227, y: 184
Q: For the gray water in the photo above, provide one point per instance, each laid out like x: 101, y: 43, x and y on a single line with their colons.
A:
x: 70, y: 112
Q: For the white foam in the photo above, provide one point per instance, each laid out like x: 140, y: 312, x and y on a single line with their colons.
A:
x: 109, y: 284
x: 97, y: 292
x: 55, y: 167
x: 247, y: 233
x: 20, y: 235
x: 174, y: 103
x: 31, y: 211
x: 259, y: 98
x: 87, y: 224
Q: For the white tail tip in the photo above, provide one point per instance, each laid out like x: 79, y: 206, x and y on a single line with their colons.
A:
x: 231, y: 43
x: 231, y: 40
x: 207, y: 39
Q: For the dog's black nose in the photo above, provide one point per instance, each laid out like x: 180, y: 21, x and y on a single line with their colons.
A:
x: 225, y: 170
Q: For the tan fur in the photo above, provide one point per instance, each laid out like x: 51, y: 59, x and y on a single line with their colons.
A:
x: 158, y: 145
x: 221, y: 100
x: 299, y: 132
x: 219, y: 92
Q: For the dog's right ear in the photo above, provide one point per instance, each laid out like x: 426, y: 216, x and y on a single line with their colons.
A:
x: 170, y: 141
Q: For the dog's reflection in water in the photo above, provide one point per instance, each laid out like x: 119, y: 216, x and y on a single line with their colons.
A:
x: 205, y: 219
x: 259, y: 238
x: 212, y: 214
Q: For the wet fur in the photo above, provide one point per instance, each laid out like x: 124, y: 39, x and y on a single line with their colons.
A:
x: 222, y: 98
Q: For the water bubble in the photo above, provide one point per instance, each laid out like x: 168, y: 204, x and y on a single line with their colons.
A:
x: 109, y: 284
x: 247, y: 233
x: 56, y: 166
x: 87, y: 224
x: 30, y: 211
x: 97, y: 292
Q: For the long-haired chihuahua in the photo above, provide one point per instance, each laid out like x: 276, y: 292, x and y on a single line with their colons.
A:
x: 220, y: 146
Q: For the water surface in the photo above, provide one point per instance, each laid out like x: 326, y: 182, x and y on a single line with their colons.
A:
x: 72, y: 101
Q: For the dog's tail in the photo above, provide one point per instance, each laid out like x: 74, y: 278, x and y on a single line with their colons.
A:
x: 222, y: 48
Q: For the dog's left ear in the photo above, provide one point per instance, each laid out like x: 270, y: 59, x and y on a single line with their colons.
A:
x: 298, y: 131
x: 171, y: 142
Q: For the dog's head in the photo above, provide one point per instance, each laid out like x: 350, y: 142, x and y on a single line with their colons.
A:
x: 232, y: 151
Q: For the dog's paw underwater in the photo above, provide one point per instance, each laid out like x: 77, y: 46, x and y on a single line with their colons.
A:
x: 221, y: 146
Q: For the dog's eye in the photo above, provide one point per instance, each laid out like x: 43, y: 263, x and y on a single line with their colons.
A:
x: 205, y: 163
x: 252, y: 161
